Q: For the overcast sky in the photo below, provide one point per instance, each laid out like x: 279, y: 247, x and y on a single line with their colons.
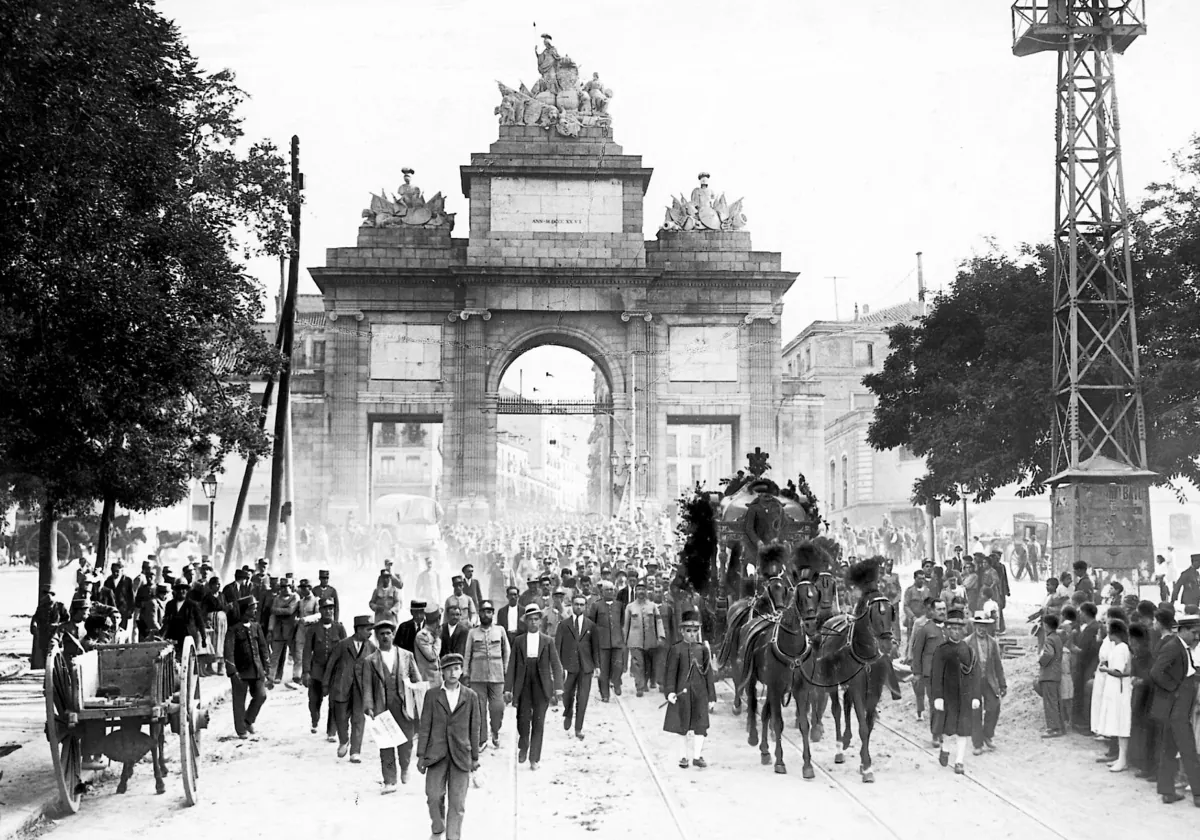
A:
x: 858, y: 133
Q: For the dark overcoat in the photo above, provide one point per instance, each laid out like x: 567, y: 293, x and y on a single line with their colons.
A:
x: 689, y: 674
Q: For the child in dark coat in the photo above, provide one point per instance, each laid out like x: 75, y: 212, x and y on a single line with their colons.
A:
x: 691, y: 690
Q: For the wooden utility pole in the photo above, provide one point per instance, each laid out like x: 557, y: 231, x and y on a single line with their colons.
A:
x: 286, y: 329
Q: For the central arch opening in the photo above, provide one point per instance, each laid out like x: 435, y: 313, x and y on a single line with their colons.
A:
x: 553, y: 434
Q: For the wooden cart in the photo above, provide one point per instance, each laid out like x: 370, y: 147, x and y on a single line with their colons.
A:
x: 99, y: 702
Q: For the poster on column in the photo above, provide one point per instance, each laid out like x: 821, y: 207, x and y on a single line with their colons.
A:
x: 704, y: 354
x: 406, y: 351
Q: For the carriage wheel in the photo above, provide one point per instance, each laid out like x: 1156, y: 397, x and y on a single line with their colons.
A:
x: 189, y: 732
x: 66, y: 742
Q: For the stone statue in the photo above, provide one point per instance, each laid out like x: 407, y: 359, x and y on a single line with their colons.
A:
x: 557, y: 100
x: 598, y: 94
x: 407, y: 208
x: 704, y: 211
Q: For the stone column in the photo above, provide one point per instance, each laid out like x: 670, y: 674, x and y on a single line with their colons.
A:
x: 345, y: 371
x: 764, y: 347
x: 467, y: 425
x: 642, y: 401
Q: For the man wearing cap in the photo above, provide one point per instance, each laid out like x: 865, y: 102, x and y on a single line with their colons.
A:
x: 325, y: 592
x: 533, y: 680
x: 182, y: 618
x: 246, y: 656
x: 387, y: 671
x: 1173, y: 677
x: 608, y: 614
x: 427, y: 647
x: 343, y: 680
x: 448, y: 749
x: 644, y: 639
x: 385, y: 600
x: 690, y: 684
x: 555, y: 613
x: 531, y: 593
x: 150, y: 619
x: 281, y: 628
x: 1187, y: 586
x: 123, y: 593
x: 955, y: 688
x: 406, y: 633
x: 48, y: 619
x: 308, y: 613
x: 322, y: 640
x: 485, y: 664
x: 509, y: 616
x: 989, y: 672
x: 466, y: 606
x: 472, y: 588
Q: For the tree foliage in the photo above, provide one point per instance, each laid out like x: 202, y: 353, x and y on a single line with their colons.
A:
x: 124, y: 314
x: 969, y: 388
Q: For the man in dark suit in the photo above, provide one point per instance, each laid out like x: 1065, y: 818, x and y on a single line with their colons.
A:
x: 325, y: 592
x: 406, y: 633
x: 1174, y: 679
x: 534, y: 680
x: 509, y: 616
x: 471, y: 586
x: 246, y: 656
x: 235, y: 591
x: 454, y: 633
x: 343, y: 680
x: 448, y: 748
x: 123, y: 594
x: 608, y: 615
x: 575, y: 642
x: 323, y: 639
x: 385, y: 672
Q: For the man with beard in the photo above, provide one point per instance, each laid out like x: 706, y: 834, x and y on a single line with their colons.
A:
x: 926, y: 640
x: 486, y: 662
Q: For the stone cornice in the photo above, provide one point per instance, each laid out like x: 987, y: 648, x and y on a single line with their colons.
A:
x: 610, y: 167
x: 572, y: 277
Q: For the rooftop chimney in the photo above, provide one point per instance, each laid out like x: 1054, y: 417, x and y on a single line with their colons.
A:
x: 856, y: 312
x: 866, y: 310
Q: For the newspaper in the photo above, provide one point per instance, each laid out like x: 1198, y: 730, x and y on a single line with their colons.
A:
x: 385, y: 732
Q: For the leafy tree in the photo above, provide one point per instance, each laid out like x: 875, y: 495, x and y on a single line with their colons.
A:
x: 123, y: 313
x: 969, y: 387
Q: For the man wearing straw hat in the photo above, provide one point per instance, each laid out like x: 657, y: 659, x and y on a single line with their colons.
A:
x: 448, y: 748
x: 534, y: 679
x: 992, y: 686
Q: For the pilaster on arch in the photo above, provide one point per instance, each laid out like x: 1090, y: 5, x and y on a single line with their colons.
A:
x: 595, y: 347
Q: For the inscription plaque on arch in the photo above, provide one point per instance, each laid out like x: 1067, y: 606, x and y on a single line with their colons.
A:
x: 556, y: 205
x: 406, y: 351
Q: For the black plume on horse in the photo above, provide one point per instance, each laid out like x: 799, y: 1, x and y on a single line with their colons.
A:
x: 864, y: 574
x: 701, y: 542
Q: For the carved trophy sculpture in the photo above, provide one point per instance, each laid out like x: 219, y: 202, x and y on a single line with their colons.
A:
x: 408, y: 208
x: 557, y: 100
x: 704, y: 211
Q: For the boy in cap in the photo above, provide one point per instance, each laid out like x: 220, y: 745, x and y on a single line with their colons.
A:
x: 387, y: 670
x: 691, y: 690
x: 343, y: 681
x: 247, y: 655
x: 323, y: 639
x: 448, y: 748
x: 534, y: 680
x: 955, y: 690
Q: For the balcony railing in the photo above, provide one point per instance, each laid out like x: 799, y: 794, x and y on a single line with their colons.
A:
x: 519, y: 405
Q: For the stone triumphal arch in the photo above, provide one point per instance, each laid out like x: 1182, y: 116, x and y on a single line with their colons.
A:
x: 685, y: 328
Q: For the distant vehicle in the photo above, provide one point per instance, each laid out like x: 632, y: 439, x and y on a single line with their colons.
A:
x: 412, y: 521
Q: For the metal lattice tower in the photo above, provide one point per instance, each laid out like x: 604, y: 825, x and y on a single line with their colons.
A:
x: 1098, y: 459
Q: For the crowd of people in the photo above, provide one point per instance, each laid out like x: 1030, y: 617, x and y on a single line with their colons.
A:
x: 532, y: 614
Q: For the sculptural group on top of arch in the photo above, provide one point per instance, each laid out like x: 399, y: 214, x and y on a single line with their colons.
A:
x: 704, y: 211
x: 557, y: 99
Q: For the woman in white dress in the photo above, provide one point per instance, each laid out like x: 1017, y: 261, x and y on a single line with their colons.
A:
x: 1098, y: 682
x: 1116, y: 706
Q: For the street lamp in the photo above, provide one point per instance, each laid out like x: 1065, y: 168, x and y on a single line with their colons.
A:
x: 209, y: 486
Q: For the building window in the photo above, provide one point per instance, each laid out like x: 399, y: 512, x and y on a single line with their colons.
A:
x: 696, y: 449
x: 318, y: 354
x: 673, y: 476
x: 696, y: 474
x: 672, y: 446
x: 807, y: 359
x: 845, y: 483
x: 414, y: 434
x: 387, y: 434
x: 412, y: 468
x: 199, y: 513
x: 864, y: 354
x: 832, y: 494
x: 387, y: 466
x: 258, y: 512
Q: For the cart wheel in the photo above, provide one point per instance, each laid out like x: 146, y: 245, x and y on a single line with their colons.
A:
x: 189, y: 732
x: 66, y: 742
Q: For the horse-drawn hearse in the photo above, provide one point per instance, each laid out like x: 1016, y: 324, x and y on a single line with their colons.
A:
x: 98, y: 702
